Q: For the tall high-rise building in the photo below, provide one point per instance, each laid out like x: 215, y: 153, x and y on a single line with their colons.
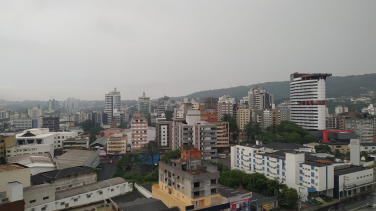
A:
x: 243, y: 117
x: 139, y: 128
x: 52, y: 123
x: 307, y: 97
x: 144, y: 106
x: 259, y: 98
x: 225, y: 106
x: 112, y: 106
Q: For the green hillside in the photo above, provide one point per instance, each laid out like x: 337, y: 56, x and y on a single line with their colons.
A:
x: 347, y: 86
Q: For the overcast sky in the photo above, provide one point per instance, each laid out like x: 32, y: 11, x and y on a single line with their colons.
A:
x: 84, y: 49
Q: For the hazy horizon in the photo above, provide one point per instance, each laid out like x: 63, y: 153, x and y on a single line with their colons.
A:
x: 84, y: 49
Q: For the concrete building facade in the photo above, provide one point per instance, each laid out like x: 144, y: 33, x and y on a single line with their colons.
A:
x: 144, y: 106
x: 259, y: 98
x: 188, y: 183
x: 117, y: 144
x: 307, y: 97
x: 225, y: 106
x: 112, y: 106
x: 243, y: 117
x: 139, y: 126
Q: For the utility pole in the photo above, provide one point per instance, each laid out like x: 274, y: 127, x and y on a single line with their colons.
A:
x: 299, y: 202
x: 344, y: 185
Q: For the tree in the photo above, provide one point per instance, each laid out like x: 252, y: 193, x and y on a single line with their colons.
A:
x: 123, y: 125
x: 233, y: 127
x: 171, y: 154
x: 93, y: 134
x: 287, y: 197
x: 322, y: 148
x: 151, y: 149
x: 127, y: 162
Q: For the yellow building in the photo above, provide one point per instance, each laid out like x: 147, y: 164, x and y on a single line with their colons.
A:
x: 14, y: 172
x: 188, y: 183
x: 6, y: 142
x: 243, y: 117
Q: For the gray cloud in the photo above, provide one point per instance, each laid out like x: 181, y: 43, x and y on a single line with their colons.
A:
x: 85, y: 48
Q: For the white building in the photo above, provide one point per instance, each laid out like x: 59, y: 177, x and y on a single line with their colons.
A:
x: 341, y: 109
x: 307, y: 97
x: 45, y: 197
x: 21, y: 124
x: 225, y: 106
x: 370, y: 109
x: 351, y: 180
x: 30, y: 149
x: 291, y: 164
x: 112, y: 106
x: 34, y: 113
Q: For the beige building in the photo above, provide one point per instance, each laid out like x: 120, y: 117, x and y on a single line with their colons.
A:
x: 14, y: 172
x: 139, y: 127
x: 223, y: 133
x: 342, y: 147
x: 243, y: 117
x: 6, y: 142
x: 117, y: 144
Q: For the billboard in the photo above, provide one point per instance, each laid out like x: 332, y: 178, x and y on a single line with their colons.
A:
x: 241, y: 205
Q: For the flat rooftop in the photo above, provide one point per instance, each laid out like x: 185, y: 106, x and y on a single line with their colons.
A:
x: 74, y: 157
x: 10, y: 167
x: 349, y: 170
x: 88, y: 188
x: 50, y: 175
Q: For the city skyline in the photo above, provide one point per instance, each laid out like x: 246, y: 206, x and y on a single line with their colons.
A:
x: 137, y: 46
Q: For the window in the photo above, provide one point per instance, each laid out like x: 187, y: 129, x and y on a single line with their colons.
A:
x: 45, y: 198
x: 75, y: 199
x: 88, y: 195
x: 43, y: 208
x: 197, y: 203
x: 213, y: 200
x: 62, y: 203
x: 32, y: 201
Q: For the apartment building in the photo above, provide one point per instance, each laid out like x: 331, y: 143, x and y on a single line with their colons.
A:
x: 164, y: 134
x: 225, y: 106
x: 223, y: 136
x: 139, y: 126
x: 284, y: 110
x: 243, y: 117
x: 117, y: 144
x: 144, y: 106
x: 259, y: 98
x: 6, y: 141
x: 291, y: 164
x: 271, y: 117
x: 307, y: 97
x: 176, y: 133
x: 188, y: 183
x: 364, y: 126
x: 211, y: 103
x: 52, y: 123
x: 112, y: 106
x: 34, y: 113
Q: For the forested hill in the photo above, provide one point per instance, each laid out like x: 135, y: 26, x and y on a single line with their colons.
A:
x: 347, y: 86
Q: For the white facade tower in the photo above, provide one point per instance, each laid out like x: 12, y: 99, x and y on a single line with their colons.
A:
x: 112, y: 106
x: 307, y: 97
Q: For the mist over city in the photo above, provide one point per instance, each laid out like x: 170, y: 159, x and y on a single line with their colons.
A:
x: 200, y: 105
